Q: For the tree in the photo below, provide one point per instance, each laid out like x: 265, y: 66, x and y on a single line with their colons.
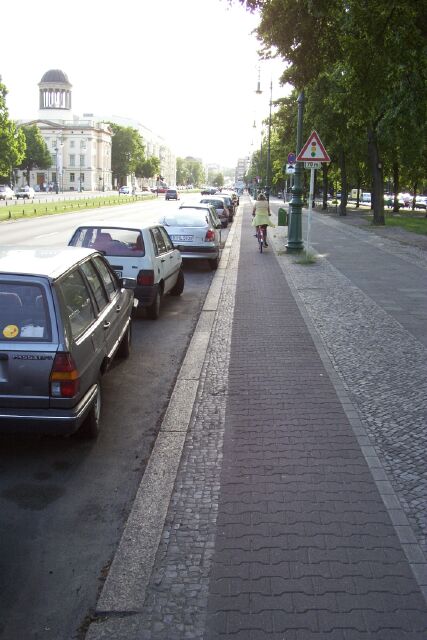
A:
x: 127, y: 151
x: 12, y: 139
x: 189, y: 171
x: 218, y: 180
x: 36, y: 152
x: 148, y: 168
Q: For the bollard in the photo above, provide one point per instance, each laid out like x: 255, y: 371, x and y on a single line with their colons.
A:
x: 282, y: 220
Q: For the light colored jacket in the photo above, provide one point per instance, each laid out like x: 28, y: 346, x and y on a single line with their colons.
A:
x: 262, y: 216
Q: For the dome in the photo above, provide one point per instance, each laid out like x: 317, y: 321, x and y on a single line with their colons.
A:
x: 56, y: 76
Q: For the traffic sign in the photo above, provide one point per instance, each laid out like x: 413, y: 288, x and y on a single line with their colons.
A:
x: 290, y: 168
x: 291, y: 158
x: 313, y: 150
x: 312, y: 165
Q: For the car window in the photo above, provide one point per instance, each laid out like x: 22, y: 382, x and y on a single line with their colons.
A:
x: 96, y: 284
x: 24, y: 313
x: 110, y: 240
x: 187, y: 218
x: 108, y: 277
x: 168, y: 242
x: 158, y: 240
x: 78, y: 303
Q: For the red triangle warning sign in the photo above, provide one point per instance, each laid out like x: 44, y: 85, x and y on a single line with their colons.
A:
x: 313, y: 150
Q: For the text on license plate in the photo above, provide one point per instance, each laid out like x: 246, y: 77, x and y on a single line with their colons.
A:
x: 181, y: 238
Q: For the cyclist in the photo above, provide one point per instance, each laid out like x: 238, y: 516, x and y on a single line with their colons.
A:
x: 261, y: 215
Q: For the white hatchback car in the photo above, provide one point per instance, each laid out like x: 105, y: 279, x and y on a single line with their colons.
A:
x: 143, y: 252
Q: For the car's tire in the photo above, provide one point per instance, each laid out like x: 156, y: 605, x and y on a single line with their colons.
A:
x: 153, y: 311
x: 213, y: 263
x: 91, y: 426
x: 178, y: 288
x: 125, y: 346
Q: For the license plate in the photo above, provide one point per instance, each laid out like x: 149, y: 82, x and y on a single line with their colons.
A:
x: 181, y: 238
x: 118, y: 273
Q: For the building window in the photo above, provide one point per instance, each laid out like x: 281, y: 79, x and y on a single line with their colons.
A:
x: 72, y: 144
x: 53, y: 143
x: 82, y: 144
x: 82, y: 161
x: 72, y: 160
x: 82, y: 178
x: 53, y: 156
x: 72, y: 177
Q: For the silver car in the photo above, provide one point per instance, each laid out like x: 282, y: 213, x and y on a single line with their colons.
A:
x: 64, y: 315
x: 196, y: 233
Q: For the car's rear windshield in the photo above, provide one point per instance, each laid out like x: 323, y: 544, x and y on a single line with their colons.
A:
x: 111, y: 241
x: 24, y: 314
x: 218, y: 204
x: 186, y: 218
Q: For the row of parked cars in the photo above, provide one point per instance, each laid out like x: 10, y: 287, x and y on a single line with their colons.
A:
x: 65, y: 312
x: 6, y: 193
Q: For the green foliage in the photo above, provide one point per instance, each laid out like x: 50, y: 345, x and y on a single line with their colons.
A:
x: 148, y: 168
x: 36, y: 152
x: 218, y: 181
x: 189, y: 171
x: 127, y: 151
x: 12, y: 139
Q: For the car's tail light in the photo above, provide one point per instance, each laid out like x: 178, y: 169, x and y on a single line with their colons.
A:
x: 64, y: 377
x: 210, y: 235
x: 145, y: 278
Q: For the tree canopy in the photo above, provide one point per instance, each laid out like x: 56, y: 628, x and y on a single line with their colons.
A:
x: 12, y: 139
x: 36, y: 151
x: 127, y: 151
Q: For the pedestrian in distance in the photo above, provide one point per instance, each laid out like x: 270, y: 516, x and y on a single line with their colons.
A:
x: 261, y: 215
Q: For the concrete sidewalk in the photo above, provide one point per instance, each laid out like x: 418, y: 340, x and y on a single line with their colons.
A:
x: 273, y: 505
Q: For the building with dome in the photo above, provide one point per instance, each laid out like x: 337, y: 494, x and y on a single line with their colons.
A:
x: 81, y: 146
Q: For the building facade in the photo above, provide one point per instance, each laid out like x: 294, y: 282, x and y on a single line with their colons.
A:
x: 80, y: 147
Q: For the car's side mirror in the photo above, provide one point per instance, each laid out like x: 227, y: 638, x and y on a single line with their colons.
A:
x: 218, y: 225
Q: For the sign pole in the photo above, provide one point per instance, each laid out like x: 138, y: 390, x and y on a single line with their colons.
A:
x: 310, y: 209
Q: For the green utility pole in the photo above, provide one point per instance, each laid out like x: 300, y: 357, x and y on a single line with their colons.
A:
x: 295, y: 243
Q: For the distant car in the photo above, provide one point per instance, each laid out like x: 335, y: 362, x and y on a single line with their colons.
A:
x: 25, y: 192
x: 141, y: 251
x: 124, y: 190
x: 421, y: 202
x: 196, y: 233
x: 6, y: 192
x: 64, y: 316
x: 171, y: 194
x: 221, y: 208
x: 208, y: 191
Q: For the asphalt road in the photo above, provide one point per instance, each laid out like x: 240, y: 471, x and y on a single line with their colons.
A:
x: 64, y: 501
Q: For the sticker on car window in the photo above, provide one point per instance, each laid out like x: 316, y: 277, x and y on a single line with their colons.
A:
x: 10, y: 331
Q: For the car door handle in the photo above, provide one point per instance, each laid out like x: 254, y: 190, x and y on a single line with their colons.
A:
x: 118, y: 308
x: 163, y: 260
x: 106, y: 325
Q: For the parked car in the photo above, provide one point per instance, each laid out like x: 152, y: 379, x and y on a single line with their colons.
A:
x: 6, y: 192
x: 171, y: 194
x: 25, y: 192
x: 221, y: 208
x: 64, y: 316
x: 142, y: 251
x: 421, y: 202
x: 229, y: 203
x: 125, y: 190
x: 196, y: 233
x: 209, y: 191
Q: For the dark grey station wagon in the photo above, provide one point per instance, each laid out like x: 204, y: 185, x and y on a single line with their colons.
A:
x: 64, y: 315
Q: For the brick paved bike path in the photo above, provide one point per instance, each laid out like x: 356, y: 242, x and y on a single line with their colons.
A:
x: 304, y: 546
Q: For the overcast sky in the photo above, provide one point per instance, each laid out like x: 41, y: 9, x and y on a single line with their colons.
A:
x: 187, y: 69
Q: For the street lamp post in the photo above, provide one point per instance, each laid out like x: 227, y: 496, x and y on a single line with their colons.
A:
x: 267, y: 179
x: 295, y: 243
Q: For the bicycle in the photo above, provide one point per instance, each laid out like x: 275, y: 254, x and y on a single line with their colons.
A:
x: 260, y: 237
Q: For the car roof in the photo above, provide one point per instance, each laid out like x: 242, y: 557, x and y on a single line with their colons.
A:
x: 151, y: 221
x: 48, y: 262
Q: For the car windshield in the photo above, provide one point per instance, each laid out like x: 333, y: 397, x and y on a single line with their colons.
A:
x: 186, y: 218
x: 110, y: 240
x: 23, y: 312
x: 218, y: 204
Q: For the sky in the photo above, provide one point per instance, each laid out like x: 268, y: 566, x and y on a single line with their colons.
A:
x: 186, y: 69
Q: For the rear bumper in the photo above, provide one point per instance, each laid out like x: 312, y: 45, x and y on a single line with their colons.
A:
x: 145, y: 295
x: 209, y: 253
x: 46, y: 421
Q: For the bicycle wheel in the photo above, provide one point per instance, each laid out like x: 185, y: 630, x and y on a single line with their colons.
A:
x: 260, y: 239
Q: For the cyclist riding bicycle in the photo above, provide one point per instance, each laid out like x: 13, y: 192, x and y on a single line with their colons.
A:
x: 261, y: 215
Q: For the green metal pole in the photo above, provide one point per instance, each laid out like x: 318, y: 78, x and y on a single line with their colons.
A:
x: 295, y: 243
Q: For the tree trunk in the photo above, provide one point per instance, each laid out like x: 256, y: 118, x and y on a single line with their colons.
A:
x: 343, y: 171
x: 377, y: 178
x: 325, y: 168
x: 395, y: 187
x: 358, y: 191
x: 414, y: 197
